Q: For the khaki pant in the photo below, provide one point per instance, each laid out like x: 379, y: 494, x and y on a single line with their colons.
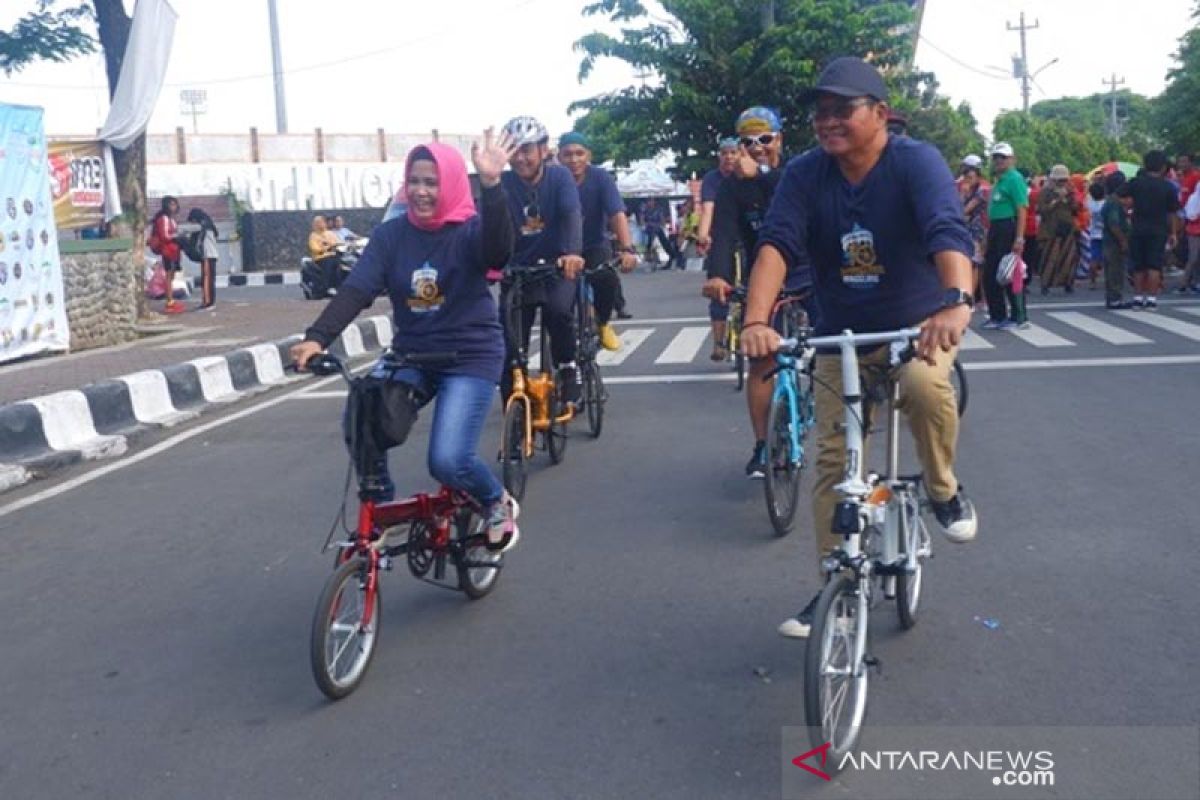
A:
x: 927, y: 400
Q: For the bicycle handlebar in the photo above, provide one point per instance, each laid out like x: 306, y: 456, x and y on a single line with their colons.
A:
x: 325, y: 364
x: 850, y: 338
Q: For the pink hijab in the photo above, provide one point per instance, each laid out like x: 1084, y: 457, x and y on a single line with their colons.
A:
x: 454, y: 203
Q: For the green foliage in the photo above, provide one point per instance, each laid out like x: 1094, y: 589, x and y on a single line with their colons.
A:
x: 1178, y: 107
x: 1091, y: 115
x: 1041, y: 143
x: 47, y: 34
x: 709, y: 59
x: 931, y: 117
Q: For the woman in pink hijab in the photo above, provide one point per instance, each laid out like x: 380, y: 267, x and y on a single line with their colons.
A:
x: 433, y: 262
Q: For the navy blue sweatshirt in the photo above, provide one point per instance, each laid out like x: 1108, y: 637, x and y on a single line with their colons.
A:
x: 547, y: 216
x: 437, y: 284
x: 871, y: 246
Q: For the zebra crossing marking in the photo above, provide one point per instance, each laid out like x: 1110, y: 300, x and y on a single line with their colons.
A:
x: 973, y: 341
x: 1038, y: 336
x: 1101, y: 330
x: 1187, y: 330
x: 630, y: 340
x: 684, y: 348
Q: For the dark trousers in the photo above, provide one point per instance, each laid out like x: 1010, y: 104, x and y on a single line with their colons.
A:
x: 668, y: 245
x: 208, y: 281
x: 556, y: 296
x: 1003, y: 302
x: 605, y: 284
x: 331, y: 271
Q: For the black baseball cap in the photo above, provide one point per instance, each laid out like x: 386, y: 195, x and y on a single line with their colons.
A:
x: 849, y: 77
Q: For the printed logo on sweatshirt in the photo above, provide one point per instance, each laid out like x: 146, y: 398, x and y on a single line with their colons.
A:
x: 426, y: 294
x: 860, y: 267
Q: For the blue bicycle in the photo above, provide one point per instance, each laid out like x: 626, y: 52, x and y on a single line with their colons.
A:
x: 791, y: 414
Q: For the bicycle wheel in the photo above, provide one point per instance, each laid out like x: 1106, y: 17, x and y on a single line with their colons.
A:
x: 341, y: 645
x: 478, y: 568
x: 782, y: 484
x: 958, y: 379
x: 914, y: 539
x: 835, y: 679
x: 593, y: 398
x: 513, y: 449
x: 556, y: 434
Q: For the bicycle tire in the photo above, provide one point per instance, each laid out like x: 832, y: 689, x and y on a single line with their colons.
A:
x: 593, y: 398
x: 840, y: 600
x: 513, y: 448
x: 908, y: 586
x: 556, y: 433
x: 475, y: 582
x: 782, y: 485
x: 325, y: 651
x: 958, y: 379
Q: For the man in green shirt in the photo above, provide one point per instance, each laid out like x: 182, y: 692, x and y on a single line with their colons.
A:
x: 1114, y: 216
x: 1007, y: 212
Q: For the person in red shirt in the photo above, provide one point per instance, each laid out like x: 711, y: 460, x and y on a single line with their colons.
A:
x: 1033, y: 252
x: 1189, y: 180
x: 164, y: 237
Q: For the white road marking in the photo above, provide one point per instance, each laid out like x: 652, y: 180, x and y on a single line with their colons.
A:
x: 1190, y: 310
x: 684, y: 347
x: 1187, y: 330
x: 1101, y: 330
x: 630, y: 341
x: 1038, y: 336
x: 973, y: 341
x: 149, y: 452
x: 659, y: 321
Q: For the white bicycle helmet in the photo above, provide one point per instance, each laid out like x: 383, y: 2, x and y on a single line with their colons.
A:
x: 526, y: 130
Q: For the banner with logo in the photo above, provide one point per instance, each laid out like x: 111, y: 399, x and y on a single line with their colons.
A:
x: 33, y: 315
x: 77, y: 183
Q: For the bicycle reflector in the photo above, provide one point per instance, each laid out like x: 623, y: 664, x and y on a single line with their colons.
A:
x: 846, y: 519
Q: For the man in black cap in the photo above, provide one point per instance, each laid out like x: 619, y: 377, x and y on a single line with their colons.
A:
x: 881, y: 222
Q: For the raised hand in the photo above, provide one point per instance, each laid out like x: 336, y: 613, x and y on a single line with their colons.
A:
x: 491, y: 158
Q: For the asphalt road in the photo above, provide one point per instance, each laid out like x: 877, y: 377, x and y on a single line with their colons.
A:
x: 156, y: 638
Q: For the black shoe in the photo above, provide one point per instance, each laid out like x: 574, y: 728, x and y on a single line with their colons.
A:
x: 797, y: 627
x: 756, y: 467
x: 623, y: 314
x: 956, y: 518
x: 568, y: 383
x: 1122, y: 305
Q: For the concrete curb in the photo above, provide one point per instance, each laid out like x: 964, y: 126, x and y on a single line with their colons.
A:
x: 47, y: 433
x: 251, y: 279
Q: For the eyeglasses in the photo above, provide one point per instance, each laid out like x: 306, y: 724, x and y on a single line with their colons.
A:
x: 998, y: 156
x: 763, y: 139
x: 839, y: 109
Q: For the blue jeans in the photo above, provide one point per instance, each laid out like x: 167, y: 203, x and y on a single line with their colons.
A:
x: 458, y: 418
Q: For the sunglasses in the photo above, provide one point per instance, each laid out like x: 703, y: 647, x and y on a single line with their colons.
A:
x: 763, y: 139
x: 998, y: 156
x: 841, y: 109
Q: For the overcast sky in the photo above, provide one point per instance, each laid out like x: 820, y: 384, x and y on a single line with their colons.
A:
x: 459, y: 65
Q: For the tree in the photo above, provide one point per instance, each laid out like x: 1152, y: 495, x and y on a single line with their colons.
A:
x: 59, y: 35
x: 709, y: 59
x: 1092, y: 115
x: 931, y: 118
x: 1041, y: 143
x: 1178, y: 109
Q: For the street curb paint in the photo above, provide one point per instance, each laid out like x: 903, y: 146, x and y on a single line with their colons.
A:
x: 44, y: 434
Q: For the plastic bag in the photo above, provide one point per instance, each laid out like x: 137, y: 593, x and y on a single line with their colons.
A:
x: 156, y: 287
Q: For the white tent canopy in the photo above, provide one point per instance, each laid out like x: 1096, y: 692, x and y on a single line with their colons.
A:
x: 645, y: 179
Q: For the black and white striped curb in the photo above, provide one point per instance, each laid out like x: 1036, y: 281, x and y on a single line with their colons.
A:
x: 252, y: 279
x: 43, y: 434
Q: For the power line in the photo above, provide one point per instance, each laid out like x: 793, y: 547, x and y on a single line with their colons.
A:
x: 960, y: 62
x: 1024, y: 76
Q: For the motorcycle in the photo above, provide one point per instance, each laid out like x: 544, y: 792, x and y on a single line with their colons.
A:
x: 313, y: 280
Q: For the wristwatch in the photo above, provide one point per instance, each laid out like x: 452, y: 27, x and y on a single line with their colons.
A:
x: 764, y: 169
x: 957, y: 297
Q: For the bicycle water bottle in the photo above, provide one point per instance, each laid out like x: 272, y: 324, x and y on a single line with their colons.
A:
x: 890, y: 547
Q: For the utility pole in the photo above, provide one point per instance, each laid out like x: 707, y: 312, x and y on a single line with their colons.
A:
x: 281, y: 125
x: 768, y: 15
x: 1024, y: 65
x: 1114, y: 123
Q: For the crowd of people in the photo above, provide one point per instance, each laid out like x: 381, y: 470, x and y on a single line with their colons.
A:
x: 1069, y: 228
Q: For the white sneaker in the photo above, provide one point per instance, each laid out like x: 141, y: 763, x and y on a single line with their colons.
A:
x: 503, y: 523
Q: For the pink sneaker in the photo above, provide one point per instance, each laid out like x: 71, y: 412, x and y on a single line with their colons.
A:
x: 502, y: 530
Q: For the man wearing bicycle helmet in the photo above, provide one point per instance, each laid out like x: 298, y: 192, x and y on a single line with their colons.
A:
x: 603, y: 212
x: 545, y: 210
x: 718, y: 312
x: 432, y: 261
x: 880, y: 219
x: 740, y: 208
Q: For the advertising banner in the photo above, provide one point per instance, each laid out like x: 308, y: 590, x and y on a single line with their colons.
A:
x: 33, y: 315
x: 77, y: 183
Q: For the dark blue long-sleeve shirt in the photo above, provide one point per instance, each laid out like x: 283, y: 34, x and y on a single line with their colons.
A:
x: 871, y: 246
x: 547, y: 217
